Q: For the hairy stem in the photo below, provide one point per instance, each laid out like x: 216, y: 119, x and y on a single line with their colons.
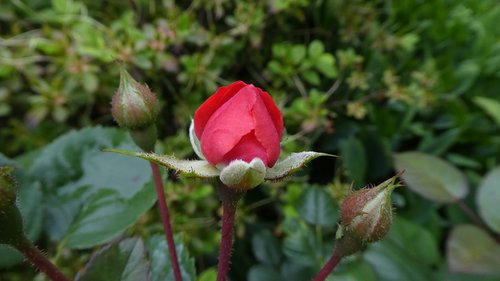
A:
x: 327, y: 268
x: 40, y: 261
x: 166, y: 222
x: 229, y: 199
x: 226, y: 243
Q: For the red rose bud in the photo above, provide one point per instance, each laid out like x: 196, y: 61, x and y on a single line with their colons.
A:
x: 239, y: 122
x: 11, y: 223
x: 134, y: 106
x: 366, y: 217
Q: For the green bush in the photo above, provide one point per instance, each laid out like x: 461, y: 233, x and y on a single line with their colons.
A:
x: 386, y: 85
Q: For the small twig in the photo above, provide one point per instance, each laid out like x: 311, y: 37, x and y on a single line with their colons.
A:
x: 166, y: 221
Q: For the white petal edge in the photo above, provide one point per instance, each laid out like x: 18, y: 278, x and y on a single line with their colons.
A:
x: 195, y: 142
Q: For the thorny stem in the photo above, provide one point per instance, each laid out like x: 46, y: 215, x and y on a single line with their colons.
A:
x: 166, y: 221
x: 40, y: 261
x: 229, y: 200
x: 327, y: 268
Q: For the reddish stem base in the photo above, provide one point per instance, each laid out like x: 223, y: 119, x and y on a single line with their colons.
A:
x: 226, y: 243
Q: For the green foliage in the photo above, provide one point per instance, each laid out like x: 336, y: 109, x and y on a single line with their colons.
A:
x: 386, y: 85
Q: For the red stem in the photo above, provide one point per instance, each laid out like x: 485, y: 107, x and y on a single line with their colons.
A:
x: 40, y: 261
x: 166, y: 221
x: 327, y: 268
x: 226, y: 243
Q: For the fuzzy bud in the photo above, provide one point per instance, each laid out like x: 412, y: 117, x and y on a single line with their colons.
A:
x: 11, y: 223
x: 366, y: 217
x: 134, y: 106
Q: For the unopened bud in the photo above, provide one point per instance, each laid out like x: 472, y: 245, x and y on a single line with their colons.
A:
x: 366, y: 217
x: 134, y: 106
x: 11, y: 223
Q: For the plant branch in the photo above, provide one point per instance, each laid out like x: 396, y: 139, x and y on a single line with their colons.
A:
x: 327, y: 268
x: 166, y: 221
x: 40, y: 261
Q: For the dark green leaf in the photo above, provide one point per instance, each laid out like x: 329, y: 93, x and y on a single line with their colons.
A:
x: 407, y: 253
x: 266, y: 248
x: 317, y: 207
x: 354, y: 159
x: 161, y: 269
x: 123, y: 261
x: 264, y: 273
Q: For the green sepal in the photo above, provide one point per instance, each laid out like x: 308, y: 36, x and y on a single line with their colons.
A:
x: 291, y: 164
x: 193, y: 168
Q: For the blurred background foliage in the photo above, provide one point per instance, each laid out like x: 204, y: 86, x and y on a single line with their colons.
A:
x: 366, y: 80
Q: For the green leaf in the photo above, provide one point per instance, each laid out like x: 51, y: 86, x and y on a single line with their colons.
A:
x: 471, y: 250
x: 161, y: 268
x: 291, y: 164
x: 264, y: 273
x: 194, y: 168
x: 91, y: 197
x: 124, y: 261
x: 488, y: 198
x: 303, y: 247
x: 431, y: 177
x: 490, y: 106
x: 208, y: 275
x: 316, y: 48
x: 354, y: 159
x: 266, y: 248
x: 408, y: 252
x: 317, y: 207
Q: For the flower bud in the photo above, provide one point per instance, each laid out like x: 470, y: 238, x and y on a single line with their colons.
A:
x: 366, y: 217
x: 11, y: 223
x: 241, y: 175
x: 134, y: 106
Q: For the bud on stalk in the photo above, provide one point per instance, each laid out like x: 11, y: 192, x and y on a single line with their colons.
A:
x: 135, y: 107
x: 366, y: 217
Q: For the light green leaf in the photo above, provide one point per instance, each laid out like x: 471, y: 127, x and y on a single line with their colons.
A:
x: 471, y: 250
x: 124, y: 261
x: 431, y: 177
x: 490, y: 106
x: 488, y: 198
x: 161, y: 269
x: 91, y: 197
x: 291, y: 164
x: 194, y: 168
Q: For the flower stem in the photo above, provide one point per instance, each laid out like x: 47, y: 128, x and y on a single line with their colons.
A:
x: 229, y: 198
x: 328, y: 268
x: 166, y: 221
x: 40, y: 261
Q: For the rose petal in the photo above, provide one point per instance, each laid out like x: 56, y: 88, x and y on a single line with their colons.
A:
x: 247, y: 149
x: 274, y: 112
x: 265, y: 131
x: 214, y: 102
x: 227, y: 126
